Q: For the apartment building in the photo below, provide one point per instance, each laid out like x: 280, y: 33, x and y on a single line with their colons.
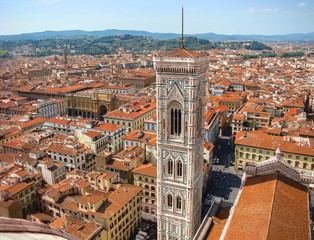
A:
x: 18, y: 186
x: 131, y: 115
x: 258, y: 146
x: 117, y: 211
x: 250, y: 117
x: 72, y: 154
x: 107, y: 135
x: 52, y: 172
x: 145, y: 176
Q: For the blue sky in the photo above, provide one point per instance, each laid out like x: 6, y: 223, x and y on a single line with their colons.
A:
x: 201, y: 16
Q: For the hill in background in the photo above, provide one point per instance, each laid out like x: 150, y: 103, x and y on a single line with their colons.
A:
x: 110, y: 32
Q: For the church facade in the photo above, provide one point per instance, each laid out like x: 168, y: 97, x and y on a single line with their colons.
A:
x: 181, y: 84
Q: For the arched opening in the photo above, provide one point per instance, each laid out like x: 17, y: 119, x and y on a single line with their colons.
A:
x: 179, y: 169
x: 102, y: 111
x: 169, y: 200
x: 175, y: 119
x: 170, y: 167
x: 179, y: 202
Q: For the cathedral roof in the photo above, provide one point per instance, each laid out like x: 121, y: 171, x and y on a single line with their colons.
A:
x: 276, y: 204
x: 182, y: 52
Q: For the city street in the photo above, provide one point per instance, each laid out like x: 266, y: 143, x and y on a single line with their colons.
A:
x: 225, y: 181
x: 149, y: 227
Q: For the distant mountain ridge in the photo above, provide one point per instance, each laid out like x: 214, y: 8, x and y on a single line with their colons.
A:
x: 154, y: 35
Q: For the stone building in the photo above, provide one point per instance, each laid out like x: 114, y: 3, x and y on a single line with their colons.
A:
x: 181, y: 84
x: 89, y: 104
x: 257, y: 147
x: 145, y: 176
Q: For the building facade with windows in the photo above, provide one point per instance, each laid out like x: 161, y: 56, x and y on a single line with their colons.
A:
x: 258, y: 147
x: 145, y: 176
x: 131, y: 115
x: 181, y: 84
x: 89, y: 104
x: 72, y: 155
x: 52, y: 172
x: 24, y: 192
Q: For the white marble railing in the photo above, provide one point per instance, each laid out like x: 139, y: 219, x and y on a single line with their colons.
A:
x: 270, y: 166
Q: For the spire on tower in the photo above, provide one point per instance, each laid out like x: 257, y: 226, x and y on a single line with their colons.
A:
x: 182, y: 46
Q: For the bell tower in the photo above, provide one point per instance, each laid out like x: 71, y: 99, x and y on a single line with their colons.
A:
x: 181, y: 85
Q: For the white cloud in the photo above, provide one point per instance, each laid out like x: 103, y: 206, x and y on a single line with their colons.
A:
x: 251, y: 10
x: 270, y: 10
x: 302, y: 4
x: 289, y: 13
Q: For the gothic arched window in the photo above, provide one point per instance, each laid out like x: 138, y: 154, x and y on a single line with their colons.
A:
x: 170, y: 166
x: 179, y: 169
x: 169, y: 200
x: 175, y: 119
x: 179, y: 202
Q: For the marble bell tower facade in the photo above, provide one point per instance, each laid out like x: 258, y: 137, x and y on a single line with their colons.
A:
x: 181, y: 85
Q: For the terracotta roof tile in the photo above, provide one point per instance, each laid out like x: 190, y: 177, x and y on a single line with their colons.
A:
x: 277, y: 205
x: 146, y: 169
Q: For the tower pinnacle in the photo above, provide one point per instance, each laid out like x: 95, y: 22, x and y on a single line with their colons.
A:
x: 182, y: 46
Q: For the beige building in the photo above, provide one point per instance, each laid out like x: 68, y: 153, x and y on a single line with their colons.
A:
x: 52, y: 172
x: 115, y: 132
x: 102, y: 181
x: 89, y: 104
x: 23, y: 189
x: 250, y: 117
x: 95, y: 140
x: 118, y: 210
x: 258, y: 146
x: 80, y: 229
x: 145, y: 176
x: 131, y: 115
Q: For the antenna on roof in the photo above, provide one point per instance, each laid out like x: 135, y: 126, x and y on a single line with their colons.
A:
x: 182, y: 46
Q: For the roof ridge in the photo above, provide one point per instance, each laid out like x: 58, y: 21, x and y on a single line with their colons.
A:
x: 272, y: 207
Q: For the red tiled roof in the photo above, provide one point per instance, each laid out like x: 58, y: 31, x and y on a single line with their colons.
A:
x: 92, y: 134
x: 147, y: 169
x: 139, y: 107
x: 265, y: 141
x: 182, y: 52
x: 109, y: 127
x: 271, y: 207
x: 58, y: 120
